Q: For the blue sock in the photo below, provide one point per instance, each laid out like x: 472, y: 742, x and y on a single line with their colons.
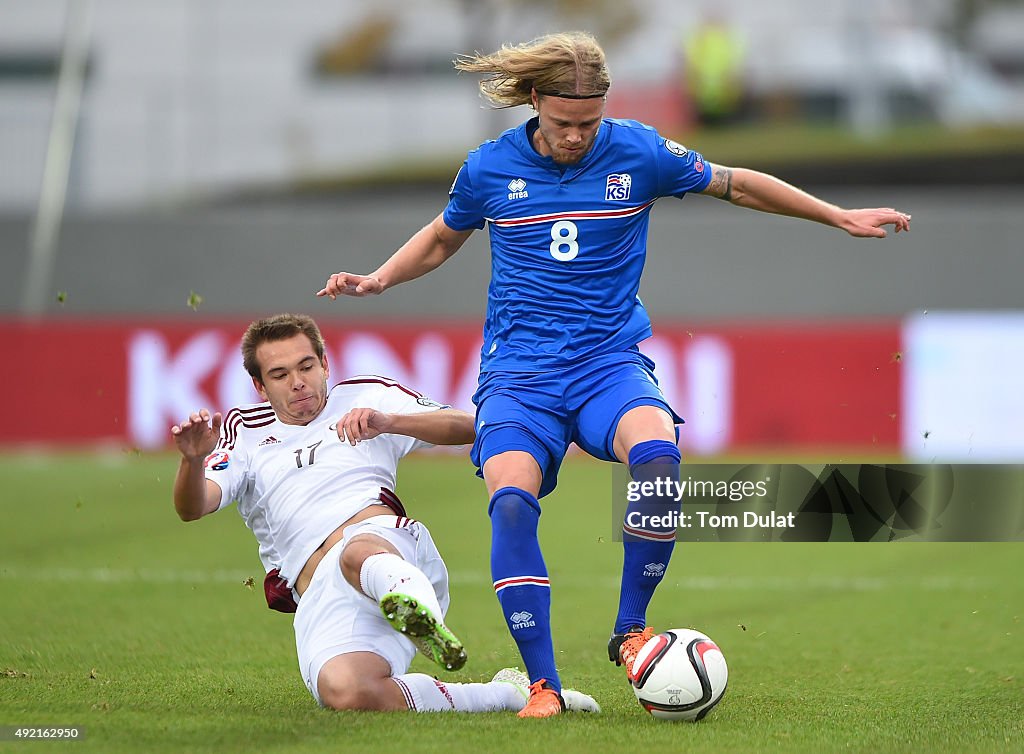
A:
x: 646, y: 548
x: 521, y: 580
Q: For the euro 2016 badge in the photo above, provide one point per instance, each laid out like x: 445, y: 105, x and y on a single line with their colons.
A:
x: 617, y: 187
x: 217, y: 461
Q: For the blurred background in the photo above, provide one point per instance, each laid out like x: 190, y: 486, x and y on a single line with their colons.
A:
x: 170, y: 170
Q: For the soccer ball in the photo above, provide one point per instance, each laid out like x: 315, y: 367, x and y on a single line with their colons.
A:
x: 679, y: 674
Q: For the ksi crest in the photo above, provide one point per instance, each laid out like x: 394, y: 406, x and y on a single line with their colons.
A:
x: 617, y: 187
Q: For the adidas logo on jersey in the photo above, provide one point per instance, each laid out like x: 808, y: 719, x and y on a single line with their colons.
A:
x: 269, y: 440
x: 517, y: 189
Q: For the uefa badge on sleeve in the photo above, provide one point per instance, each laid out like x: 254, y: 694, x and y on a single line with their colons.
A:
x: 217, y: 461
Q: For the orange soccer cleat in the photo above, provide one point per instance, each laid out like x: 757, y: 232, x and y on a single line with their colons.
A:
x: 623, y: 648
x: 544, y: 701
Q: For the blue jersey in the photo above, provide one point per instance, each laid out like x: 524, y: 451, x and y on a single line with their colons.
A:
x: 568, y: 243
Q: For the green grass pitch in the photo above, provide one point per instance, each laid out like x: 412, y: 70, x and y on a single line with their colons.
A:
x: 117, y: 617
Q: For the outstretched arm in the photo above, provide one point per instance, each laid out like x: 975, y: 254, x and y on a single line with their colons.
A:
x: 760, y: 191
x: 446, y: 426
x: 430, y: 247
x: 196, y: 437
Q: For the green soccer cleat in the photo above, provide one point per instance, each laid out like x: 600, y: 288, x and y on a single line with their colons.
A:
x: 427, y: 632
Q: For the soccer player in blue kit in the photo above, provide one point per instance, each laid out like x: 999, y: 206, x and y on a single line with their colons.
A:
x: 566, y: 197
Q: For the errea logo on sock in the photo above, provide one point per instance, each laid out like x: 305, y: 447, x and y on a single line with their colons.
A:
x: 653, y: 570
x: 521, y: 619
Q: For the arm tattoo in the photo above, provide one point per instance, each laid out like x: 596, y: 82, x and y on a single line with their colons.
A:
x: 721, y: 183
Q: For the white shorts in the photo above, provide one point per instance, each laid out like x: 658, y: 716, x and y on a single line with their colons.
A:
x: 334, y: 618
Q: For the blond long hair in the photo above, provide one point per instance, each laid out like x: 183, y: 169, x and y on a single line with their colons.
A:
x: 568, y: 64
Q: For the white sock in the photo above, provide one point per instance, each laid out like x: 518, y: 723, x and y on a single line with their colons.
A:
x: 384, y: 572
x: 426, y: 694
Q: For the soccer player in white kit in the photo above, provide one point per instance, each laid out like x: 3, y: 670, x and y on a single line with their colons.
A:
x: 312, y: 470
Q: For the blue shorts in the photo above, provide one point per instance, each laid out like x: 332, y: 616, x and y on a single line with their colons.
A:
x: 542, y: 413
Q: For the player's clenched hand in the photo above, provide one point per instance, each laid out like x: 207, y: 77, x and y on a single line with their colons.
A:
x: 197, y: 435
x: 347, y: 284
x: 363, y: 424
x: 869, y: 223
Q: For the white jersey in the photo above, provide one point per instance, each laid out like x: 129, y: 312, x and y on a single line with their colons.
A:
x: 295, y: 484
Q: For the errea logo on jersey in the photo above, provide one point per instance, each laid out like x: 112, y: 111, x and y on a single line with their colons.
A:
x: 517, y: 189
x: 617, y: 187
